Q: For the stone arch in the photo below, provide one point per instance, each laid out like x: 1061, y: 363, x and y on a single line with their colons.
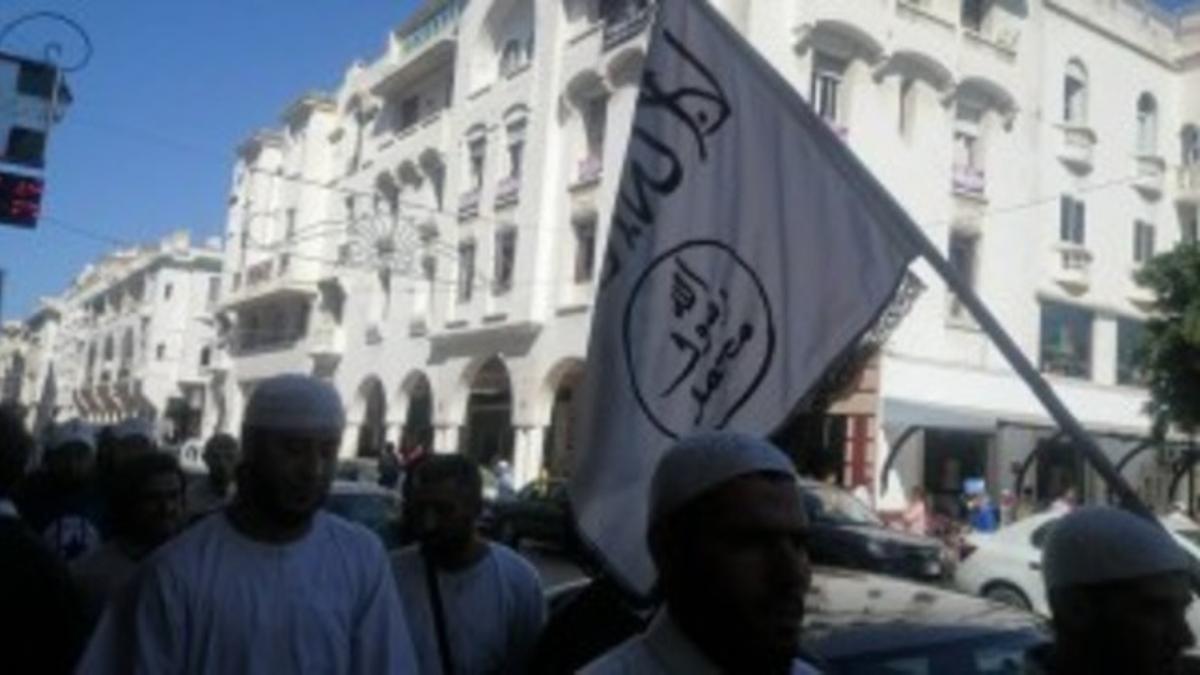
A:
x: 1189, y: 139
x: 414, y: 407
x: 487, y: 435
x: 369, y: 415
x: 1147, y: 124
x: 505, y: 42
x: 558, y: 404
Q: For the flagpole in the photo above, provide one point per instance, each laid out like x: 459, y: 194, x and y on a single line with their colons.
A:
x: 1033, y: 378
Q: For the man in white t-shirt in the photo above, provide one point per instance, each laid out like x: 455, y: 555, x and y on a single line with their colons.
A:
x: 727, y: 535
x: 271, y: 584
x: 490, y: 598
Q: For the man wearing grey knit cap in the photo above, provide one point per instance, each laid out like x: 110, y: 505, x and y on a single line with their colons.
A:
x: 1118, y: 589
x: 727, y: 534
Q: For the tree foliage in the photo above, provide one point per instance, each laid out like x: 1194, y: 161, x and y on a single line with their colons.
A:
x: 1170, y: 355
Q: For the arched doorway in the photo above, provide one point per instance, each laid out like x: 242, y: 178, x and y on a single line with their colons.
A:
x: 372, y: 433
x: 488, y: 436
x: 561, y: 435
x: 417, y: 435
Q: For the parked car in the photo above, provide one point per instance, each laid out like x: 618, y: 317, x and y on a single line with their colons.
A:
x: 369, y: 505
x: 844, y: 532
x: 1006, y: 566
x: 539, y: 512
x: 858, y: 623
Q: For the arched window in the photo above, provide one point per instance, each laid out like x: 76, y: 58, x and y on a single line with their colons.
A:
x: 512, y: 57
x: 1075, y: 93
x: 1190, y: 141
x: 1147, y: 117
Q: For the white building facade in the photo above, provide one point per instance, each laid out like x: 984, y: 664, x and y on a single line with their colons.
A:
x: 427, y: 236
x: 132, y: 336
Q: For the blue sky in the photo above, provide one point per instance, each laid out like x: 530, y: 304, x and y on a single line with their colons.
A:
x: 172, y: 88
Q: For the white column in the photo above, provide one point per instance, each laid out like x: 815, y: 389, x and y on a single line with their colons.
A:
x: 445, y: 439
x: 349, y: 440
x: 527, y: 455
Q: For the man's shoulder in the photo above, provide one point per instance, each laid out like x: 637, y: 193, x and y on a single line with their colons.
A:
x: 513, y: 564
x: 354, y: 539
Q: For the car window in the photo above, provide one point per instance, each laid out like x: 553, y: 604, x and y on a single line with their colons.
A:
x: 374, y: 512
x: 1038, y: 538
x: 829, y: 505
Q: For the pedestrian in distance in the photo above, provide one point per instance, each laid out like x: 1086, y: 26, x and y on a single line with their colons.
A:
x: 727, y: 536
x: 272, y: 584
x: 474, y: 607
x: 62, y: 501
x: 916, y: 516
x: 145, y: 510
x: 41, y: 615
x: 214, y: 491
x: 1118, y: 590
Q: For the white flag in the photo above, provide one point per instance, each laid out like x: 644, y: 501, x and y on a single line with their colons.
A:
x: 748, y: 251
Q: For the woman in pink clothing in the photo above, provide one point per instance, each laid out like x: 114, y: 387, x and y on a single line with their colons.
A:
x: 916, y: 516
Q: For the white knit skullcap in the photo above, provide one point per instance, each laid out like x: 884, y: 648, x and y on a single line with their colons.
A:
x: 699, y: 463
x: 295, y: 403
x: 1102, y: 544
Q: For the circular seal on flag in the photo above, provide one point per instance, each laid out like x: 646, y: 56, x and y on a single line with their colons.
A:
x: 698, y: 337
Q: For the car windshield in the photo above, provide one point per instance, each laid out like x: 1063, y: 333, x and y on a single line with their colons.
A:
x: 1192, y: 536
x: 375, y: 512
x: 993, y: 655
x: 835, y: 506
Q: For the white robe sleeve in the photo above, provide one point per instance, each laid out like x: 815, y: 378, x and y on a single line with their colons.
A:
x: 529, y: 616
x: 382, y: 643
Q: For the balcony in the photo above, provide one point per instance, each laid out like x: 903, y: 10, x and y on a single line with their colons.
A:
x: 418, y: 324
x: 588, y: 172
x: 374, y: 334
x: 508, y: 191
x: 1151, y: 175
x: 416, y: 49
x: 326, y: 345
x: 967, y: 181
x: 1072, y: 267
x: 1140, y: 295
x: 270, y: 278
x: 468, y: 203
x: 1187, y: 185
x: 626, y: 21
x: 431, y: 133
x: 1075, y: 149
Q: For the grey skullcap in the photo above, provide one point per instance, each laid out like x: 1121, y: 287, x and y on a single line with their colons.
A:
x: 1102, y: 544
x: 699, y: 463
x: 74, y: 431
x: 295, y: 403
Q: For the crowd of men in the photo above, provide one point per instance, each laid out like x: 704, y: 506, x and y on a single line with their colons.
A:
x: 112, y: 563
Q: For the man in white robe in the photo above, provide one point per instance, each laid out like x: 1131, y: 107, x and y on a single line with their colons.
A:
x: 271, y: 584
x: 727, y: 535
x: 491, y: 598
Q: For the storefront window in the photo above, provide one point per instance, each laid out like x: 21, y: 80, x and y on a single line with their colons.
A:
x: 1066, y: 340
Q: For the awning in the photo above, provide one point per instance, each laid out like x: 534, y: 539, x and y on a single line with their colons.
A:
x: 900, y: 414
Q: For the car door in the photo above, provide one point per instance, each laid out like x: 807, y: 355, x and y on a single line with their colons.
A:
x: 1029, y: 573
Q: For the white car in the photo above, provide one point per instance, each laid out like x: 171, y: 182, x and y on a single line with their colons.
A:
x: 1006, y: 566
